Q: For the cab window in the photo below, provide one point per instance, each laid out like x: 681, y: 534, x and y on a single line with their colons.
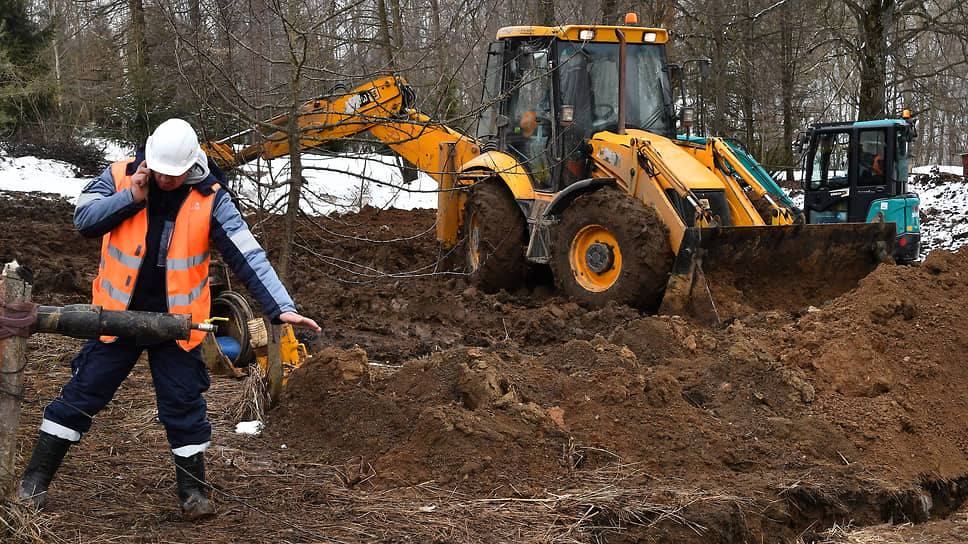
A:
x: 487, y: 125
x: 871, y: 163
x: 902, y: 156
x: 831, y: 161
x: 529, y: 109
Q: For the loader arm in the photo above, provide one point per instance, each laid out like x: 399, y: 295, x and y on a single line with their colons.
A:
x: 719, y: 240
x: 651, y: 168
x: 729, y: 165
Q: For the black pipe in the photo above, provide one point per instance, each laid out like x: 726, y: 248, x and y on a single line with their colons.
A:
x: 621, y: 80
x: 89, y: 321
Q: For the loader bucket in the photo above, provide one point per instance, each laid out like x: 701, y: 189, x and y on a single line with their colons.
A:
x: 728, y: 271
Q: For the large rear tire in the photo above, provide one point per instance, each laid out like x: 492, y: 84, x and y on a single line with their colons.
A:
x: 496, y: 234
x: 611, y: 247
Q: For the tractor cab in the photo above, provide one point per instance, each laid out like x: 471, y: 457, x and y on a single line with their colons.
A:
x: 549, y: 89
x: 858, y: 173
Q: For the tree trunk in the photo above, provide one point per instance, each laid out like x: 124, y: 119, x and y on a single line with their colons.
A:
x: 664, y: 16
x: 295, y: 153
x: 787, y: 81
x: 874, y: 25
x: 195, y: 17
x: 435, y: 24
x: 138, y: 79
x: 610, y: 12
x: 546, y: 12
x: 748, y: 89
x: 384, y: 37
x: 720, y: 63
x: 392, y: 40
x: 55, y: 46
x: 295, y: 190
x: 137, y: 38
x: 396, y: 29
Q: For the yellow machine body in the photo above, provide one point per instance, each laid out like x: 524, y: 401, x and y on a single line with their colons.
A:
x: 529, y: 188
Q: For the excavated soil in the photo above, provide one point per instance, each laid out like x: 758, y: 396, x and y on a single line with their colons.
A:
x: 429, y: 411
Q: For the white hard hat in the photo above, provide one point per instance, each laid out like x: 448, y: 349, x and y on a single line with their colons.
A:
x: 173, y: 148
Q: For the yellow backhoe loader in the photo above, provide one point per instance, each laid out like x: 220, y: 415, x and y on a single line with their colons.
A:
x: 576, y: 164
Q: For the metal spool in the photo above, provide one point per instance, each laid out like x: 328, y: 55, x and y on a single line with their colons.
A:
x: 236, y: 309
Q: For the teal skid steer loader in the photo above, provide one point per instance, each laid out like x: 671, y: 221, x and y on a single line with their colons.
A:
x: 858, y: 172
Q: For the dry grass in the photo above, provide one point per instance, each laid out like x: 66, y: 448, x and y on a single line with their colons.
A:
x: 252, y: 401
x: 23, y: 524
x: 940, y: 532
x: 612, y: 501
x: 881, y: 534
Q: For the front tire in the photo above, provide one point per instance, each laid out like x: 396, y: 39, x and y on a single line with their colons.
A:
x: 496, y: 234
x: 611, y: 247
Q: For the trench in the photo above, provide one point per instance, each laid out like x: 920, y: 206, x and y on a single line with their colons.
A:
x: 800, y: 515
x: 931, y: 499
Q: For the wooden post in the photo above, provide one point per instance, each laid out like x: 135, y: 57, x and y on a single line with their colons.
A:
x: 274, y: 373
x: 14, y: 353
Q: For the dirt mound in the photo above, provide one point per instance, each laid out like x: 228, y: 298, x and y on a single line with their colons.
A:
x: 856, y: 401
x: 39, y: 234
x: 771, y: 425
x: 859, y: 387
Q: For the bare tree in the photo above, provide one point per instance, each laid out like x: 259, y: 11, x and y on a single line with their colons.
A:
x: 138, y: 78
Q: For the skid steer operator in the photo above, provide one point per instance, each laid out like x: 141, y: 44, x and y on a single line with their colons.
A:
x: 157, y: 214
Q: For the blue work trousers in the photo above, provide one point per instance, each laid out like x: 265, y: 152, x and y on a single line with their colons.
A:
x: 179, y: 378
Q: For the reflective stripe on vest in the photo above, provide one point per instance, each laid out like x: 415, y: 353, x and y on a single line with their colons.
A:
x: 186, y: 275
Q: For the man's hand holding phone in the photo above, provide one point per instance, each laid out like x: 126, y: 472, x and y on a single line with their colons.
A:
x: 139, y: 183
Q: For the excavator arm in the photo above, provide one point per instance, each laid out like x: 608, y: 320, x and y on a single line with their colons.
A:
x: 319, y: 121
x: 382, y: 106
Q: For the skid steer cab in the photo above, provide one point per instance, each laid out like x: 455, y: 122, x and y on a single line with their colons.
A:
x: 858, y: 172
x: 244, y: 343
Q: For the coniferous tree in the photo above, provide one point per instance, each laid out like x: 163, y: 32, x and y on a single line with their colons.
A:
x: 26, y: 92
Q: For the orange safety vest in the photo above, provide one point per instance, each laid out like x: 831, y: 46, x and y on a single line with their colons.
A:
x: 186, y: 275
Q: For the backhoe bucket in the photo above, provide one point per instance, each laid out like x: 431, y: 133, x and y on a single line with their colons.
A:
x: 724, y: 271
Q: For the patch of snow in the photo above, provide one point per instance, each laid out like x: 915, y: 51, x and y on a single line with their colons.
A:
x: 936, y: 168
x: 944, y: 196
x: 33, y: 174
x: 337, y: 183
x: 249, y: 427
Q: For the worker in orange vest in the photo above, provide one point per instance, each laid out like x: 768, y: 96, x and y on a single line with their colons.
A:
x: 157, y: 215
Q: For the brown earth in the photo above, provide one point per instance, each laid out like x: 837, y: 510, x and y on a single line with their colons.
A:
x: 429, y: 411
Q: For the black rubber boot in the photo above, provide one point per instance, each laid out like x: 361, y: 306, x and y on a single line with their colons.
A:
x: 44, y: 462
x: 192, y: 492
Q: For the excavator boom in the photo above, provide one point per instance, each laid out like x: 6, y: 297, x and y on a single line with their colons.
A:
x: 381, y: 106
